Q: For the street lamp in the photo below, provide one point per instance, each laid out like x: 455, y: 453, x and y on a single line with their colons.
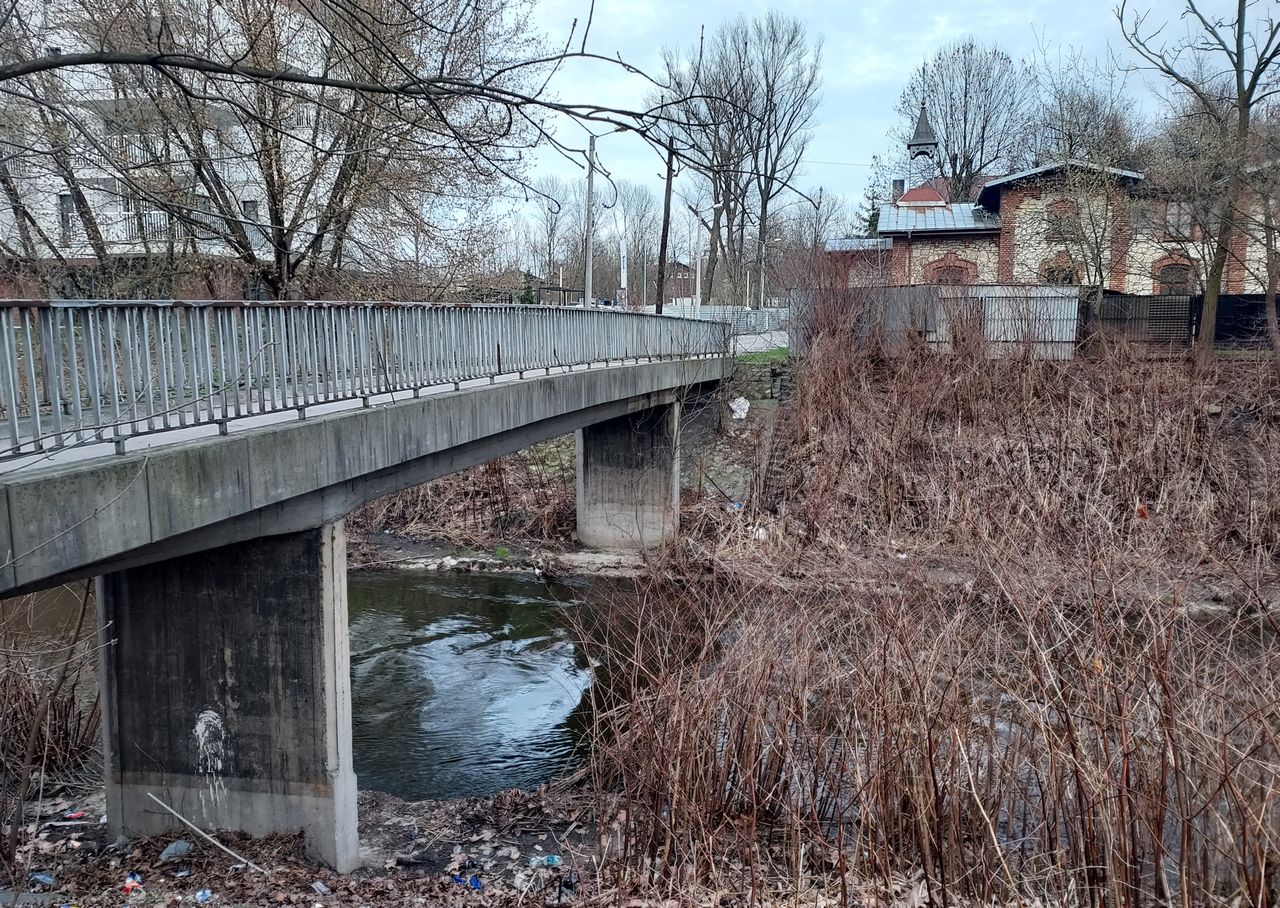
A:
x: 587, y: 289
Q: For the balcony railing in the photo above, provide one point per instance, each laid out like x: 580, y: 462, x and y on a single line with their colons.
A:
x: 85, y: 372
x: 153, y: 227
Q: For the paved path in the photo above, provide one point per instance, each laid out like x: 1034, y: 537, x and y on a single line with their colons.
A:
x: 759, y: 343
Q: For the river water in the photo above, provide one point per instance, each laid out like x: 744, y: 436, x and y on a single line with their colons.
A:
x: 464, y: 684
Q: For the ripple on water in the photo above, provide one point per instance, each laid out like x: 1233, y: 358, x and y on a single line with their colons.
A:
x: 462, y: 684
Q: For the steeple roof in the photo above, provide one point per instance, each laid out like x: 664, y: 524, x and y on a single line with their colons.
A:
x: 923, y: 141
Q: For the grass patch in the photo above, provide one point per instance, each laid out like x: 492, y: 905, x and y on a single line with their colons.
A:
x: 776, y: 355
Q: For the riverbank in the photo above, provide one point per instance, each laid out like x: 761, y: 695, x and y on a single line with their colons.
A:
x: 391, y: 552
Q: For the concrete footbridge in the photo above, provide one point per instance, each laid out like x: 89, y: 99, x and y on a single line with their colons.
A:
x: 198, y: 459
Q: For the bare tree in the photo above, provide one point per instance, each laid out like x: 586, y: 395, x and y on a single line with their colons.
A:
x: 749, y: 97
x: 1224, y: 68
x: 549, y: 223
x: 1085, y: 112
x: 781, y: 68
x: 713, y: 129
x: 981, y: 103
x: 289, y: 138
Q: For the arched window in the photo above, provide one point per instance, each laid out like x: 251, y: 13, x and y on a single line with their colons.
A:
x: 1061, y: 275
x: 1175, y: 280
x: 951, y: 270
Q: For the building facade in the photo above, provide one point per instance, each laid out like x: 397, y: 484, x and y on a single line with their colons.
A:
x: 1069, y: 222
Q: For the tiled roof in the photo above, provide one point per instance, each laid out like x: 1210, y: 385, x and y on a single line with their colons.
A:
x: 924, y: 193
x: 859, y: 244
x: 961, y: 216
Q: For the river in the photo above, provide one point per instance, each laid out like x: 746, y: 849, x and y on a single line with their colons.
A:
x: 463, y: 684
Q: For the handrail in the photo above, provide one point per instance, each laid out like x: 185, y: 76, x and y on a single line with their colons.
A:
x: 89, y: 371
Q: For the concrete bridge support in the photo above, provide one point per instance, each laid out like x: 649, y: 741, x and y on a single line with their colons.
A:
x: 629, y: 479
x: 226, y: 692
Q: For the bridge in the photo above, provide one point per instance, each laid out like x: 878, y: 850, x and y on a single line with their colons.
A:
x: 198, y: 459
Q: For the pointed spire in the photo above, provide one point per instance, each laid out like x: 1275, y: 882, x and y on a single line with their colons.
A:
x: 923, y: 142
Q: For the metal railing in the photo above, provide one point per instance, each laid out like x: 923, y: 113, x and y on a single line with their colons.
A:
x: 152, y: 226
x: 741, y: 319
x: 74, y: 372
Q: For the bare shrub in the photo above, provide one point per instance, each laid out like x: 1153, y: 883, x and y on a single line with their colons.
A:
x: 521, y: 498
x: 1004, y: 629
x: 991, y: 740
x: 46, y: 731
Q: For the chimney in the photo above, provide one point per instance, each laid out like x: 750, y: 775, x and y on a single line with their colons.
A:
x: 899, y: 187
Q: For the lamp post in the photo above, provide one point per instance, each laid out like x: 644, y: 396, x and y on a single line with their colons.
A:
x: 588, y: 297
x: 587, y: 289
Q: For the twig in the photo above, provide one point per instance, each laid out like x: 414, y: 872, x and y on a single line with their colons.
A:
x: 204, y: 835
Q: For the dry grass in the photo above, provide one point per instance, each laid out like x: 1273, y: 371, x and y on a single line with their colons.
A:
x: 46, y: 732
x: 953, y: 650
x: 524, y: 498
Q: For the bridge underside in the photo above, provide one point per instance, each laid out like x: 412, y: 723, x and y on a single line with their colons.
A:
x: 222, y: 578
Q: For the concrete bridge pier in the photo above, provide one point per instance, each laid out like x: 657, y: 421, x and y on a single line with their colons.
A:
x: 629, y: 479
x: 226, y: 692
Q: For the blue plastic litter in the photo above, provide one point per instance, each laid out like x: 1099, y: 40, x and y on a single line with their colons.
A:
x: 204, y: 895
x: 43, y: 879
x: 178, y: 849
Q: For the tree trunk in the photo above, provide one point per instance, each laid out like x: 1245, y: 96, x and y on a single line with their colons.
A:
x: 761, y: 240
x: 661, y: 291
x: 1272, y: 273
x: 1273, y: 324
x: 1225, y: 229
x: 713, y: 255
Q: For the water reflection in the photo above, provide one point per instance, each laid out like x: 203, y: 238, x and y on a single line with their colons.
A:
x: 462, y: 684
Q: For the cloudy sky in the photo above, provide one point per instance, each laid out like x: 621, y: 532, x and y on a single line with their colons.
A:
x: 869, y: 49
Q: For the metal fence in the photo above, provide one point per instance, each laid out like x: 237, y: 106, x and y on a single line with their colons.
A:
x: 999, y: 319
x: 101, y: 371
x: 741, y: 319
x: 1154, y: 319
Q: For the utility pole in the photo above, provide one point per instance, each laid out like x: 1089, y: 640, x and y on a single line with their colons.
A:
x: 666, y: 226
x: 588, y: 296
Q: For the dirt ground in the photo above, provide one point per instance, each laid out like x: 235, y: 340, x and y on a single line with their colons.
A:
x: 514, y: 848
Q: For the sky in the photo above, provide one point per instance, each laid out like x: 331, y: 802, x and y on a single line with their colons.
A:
x: 870, y: 48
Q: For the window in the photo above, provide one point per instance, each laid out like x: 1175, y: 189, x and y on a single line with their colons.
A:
x: 1142, y: 215
x: 66, y: 217
x: 1175, y: 280
x: 950, y: 275
x: 249, y: 210
x: 1061, y: 275
x: 1178, y: 218
x: 301, y: 115
x: 1060, y: 222
x: 130, y: 201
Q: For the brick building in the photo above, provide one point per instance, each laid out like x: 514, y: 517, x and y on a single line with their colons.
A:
x: 1069, y: 222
